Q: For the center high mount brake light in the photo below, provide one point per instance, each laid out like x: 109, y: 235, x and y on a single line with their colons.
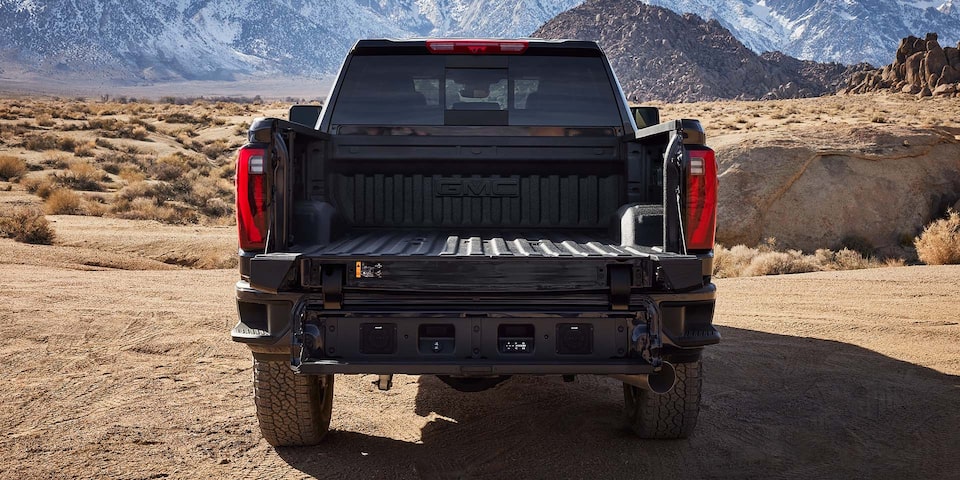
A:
x: 478, y: 47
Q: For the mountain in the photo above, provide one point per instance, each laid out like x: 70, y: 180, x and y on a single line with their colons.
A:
x: 848, y: 31
x: 165, y: 40
x: 660, y: 55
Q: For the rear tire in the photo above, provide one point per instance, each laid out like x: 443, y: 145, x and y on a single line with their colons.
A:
x: 670, y: 415
x: 293, y: 410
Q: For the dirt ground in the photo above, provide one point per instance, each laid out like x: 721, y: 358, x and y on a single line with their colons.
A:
x: 131, y: 374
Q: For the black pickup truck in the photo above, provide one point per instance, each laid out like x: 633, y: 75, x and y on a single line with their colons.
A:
x: 475, y: 209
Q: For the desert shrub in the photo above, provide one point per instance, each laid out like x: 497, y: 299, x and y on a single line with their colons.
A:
x: 136, y: 133
x: 27, y: 225
x: 95, y: 208
x: 766, y: 259
x: 108, y: 124
x: 169, y: 167
x: 103, y: 142
x: 56, y: 161
x: 81, y: 176
x: 40, y: 142
x: 147, y: 126
x: 45, y: 120
x: 62, y: 202
x: 780, y: 263
x: 847, y: 259
x: 110, y: 127
x: 131, y: 174
x: 183, y: 117
x: 85, y: 149
x: 11, y: 167
x: 111, y: 168
x: 39, y: 186
x: 215, y: 149
x: 216, y: 207
x: 728, y: 263
x: 66, y: 144
x: 939, y: 244
x: 144, y: 208
x: 858, y: 244
x: 227, y: 170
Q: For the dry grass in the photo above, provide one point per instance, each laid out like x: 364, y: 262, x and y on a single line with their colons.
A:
x: 726, y: 117
x: 26, y: 225
x: 939, y: 244
x: 40, y: 142
x: 12, y: 167
x: 40, y: 186
x: 62, y: 202
x: 82, y: 175
x: 743, y: 261
x: 143, y: 208
x: 170, y: 161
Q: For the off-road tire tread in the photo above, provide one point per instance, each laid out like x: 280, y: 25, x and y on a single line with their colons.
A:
x: 293, y: 410
x: 670, y: 415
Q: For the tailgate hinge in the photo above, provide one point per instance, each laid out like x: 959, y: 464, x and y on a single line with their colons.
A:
x: 332, y: 287
x: 621, y: 278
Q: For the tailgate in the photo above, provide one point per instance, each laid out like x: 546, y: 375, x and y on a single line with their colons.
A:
x: 412, y: 261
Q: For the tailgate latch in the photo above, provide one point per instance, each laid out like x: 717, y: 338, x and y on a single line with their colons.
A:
x: 332, y: 287
x: 621, y: 278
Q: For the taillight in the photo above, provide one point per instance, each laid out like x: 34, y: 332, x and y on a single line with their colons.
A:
x: 478, y: 47
x: 700, y: 217
x: 251, y: 198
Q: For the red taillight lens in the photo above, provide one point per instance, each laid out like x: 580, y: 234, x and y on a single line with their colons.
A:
x: 478, y: 47
x: 251, y: 198
x: 700, y: 217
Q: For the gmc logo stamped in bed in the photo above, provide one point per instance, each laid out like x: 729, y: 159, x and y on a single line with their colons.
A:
x: 477, y: 187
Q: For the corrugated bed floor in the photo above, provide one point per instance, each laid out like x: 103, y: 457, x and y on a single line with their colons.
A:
x: 436, y: 244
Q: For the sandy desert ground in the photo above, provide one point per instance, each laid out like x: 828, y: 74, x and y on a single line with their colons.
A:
x: 130, y: 373
x: 117, y: 363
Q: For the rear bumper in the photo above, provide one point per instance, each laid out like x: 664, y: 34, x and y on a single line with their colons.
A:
x: 486, y: 336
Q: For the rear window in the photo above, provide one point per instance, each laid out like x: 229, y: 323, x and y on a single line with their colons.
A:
x: 437, y: 90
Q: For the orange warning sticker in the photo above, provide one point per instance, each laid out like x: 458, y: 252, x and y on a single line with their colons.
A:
x: 359, y: 269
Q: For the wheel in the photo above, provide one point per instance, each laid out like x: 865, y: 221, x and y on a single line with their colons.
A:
x: 670, y: 415
x: 293, y: 410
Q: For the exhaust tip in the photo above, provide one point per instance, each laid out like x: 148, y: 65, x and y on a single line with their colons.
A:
x: 663, y: 381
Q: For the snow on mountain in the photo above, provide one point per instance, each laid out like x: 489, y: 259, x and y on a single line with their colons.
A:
x: 111, y: 41
x: 848, y: 31
x: 200, y: 39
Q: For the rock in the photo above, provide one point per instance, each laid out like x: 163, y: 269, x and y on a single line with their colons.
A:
x: 801, y: 191
x: 935, y: 61
x: 949, y: 75
x: 913, y: 69
x: 947, y: 89
x: 920, y: 66
x: 953, y: 56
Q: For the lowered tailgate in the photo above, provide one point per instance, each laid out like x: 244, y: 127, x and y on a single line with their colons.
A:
x: 493, y: 262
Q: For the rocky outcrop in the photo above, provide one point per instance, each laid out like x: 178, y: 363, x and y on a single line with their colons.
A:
x: 879, y: 183
x: 660, y: 55
x: 921, y: 67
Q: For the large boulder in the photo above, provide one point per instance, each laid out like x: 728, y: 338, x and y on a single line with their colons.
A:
x: 919, y: 67
x: 882, y: 183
